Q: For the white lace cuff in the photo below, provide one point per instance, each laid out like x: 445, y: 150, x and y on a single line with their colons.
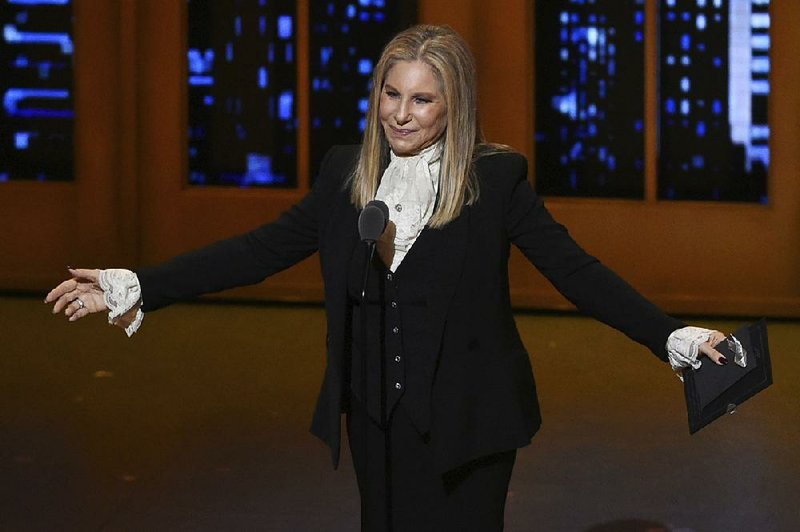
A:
x: 683, y: 346
x: 121, y: 292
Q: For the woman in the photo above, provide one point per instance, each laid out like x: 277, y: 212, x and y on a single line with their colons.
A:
x: 458, y: 396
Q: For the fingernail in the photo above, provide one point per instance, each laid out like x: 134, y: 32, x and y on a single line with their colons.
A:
x: 723, y: 360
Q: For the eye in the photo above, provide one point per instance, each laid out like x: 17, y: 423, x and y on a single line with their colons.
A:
x: 419, y: 99
x: 391, y: 93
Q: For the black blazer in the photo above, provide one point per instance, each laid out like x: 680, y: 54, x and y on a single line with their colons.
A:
x: 483, y: 398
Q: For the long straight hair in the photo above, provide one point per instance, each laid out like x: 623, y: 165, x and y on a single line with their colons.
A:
x: 454, y: 67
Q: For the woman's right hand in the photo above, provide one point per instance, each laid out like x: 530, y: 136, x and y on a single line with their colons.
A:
x: 79, y: 296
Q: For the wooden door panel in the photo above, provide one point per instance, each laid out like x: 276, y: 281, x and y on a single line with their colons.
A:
x: 176, y: 217
x: 47, y: 226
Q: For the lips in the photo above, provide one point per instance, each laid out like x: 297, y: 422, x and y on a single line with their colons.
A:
x: 401, y: 132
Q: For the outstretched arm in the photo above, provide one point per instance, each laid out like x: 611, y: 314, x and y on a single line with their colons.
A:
x: 593, y: 288
x: 237, y: 261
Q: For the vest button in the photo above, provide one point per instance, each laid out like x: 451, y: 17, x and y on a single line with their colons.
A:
x: 394, y: 304
x: 388, y: 276
x: 397, y: 358
x: 396, y: 330
x: 397, y: 385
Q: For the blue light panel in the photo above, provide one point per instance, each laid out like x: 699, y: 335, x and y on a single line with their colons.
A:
x: 37, y: 118
x: 590, y: 110
x: 346, y: 41
x: 242, y: 83
x: 717, y: 147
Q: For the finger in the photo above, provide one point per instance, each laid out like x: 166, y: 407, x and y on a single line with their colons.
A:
x: 715, y: 338
x: 73, y: 306
x: 63, y: 302
x: 72, y: 301
x: 64, y: 287
x: 713, y: 354
x: 78, y: 314
x: 84, y: 273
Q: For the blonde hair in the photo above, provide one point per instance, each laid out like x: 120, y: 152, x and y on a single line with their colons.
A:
x: 454, y: 67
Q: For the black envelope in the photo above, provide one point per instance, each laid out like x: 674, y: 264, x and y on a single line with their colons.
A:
x: 712, y: 391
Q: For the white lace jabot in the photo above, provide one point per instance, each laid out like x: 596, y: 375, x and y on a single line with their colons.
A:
x: 409, y: 187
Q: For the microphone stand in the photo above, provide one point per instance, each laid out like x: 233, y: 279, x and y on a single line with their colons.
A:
x: 363, y: 387
x: 387, y: 440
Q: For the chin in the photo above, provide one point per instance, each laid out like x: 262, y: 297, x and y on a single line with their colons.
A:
x: 404, y: 149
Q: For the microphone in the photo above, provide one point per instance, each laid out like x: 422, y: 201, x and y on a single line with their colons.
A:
x: 372, y: 221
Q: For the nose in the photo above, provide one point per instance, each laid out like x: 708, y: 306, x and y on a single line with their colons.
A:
x: 402, y: 115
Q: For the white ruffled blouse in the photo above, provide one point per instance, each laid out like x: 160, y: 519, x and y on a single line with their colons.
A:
x: 409, y: 187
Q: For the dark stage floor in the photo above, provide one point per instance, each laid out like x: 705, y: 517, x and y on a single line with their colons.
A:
x: 200, y: 422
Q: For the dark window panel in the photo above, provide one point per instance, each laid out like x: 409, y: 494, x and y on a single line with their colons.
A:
x: 590, y: 98
x: 713, y: 70
x: 760, y: 110
x: 347, y: 38
x: 37, y: 120
x: 242, y: 93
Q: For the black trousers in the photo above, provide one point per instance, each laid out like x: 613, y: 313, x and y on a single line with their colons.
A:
x: 469, y: 498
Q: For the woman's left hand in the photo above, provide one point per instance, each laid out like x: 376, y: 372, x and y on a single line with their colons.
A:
x: 707, y: 348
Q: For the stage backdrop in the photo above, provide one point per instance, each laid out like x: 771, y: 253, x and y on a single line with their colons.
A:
x: 148, y: 113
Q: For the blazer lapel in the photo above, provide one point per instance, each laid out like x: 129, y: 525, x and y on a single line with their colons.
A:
x: 444, y: 250
x: 339, y: 240
x: 336, y: 248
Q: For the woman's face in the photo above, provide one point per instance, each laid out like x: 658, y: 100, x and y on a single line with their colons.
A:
x: 412, y: 109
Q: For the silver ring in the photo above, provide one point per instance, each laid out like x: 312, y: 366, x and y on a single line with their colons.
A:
x: 81, y: 304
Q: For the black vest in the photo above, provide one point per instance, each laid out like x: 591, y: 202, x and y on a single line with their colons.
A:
x: 397, y: 320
